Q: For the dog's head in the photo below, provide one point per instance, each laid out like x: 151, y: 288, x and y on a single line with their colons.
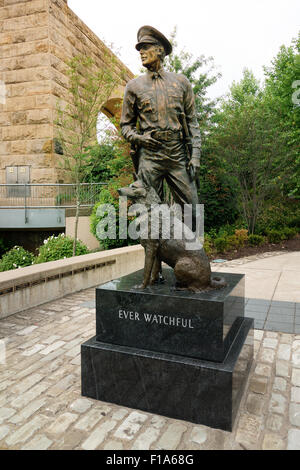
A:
x: 140, y: 193
x: 137, y: 191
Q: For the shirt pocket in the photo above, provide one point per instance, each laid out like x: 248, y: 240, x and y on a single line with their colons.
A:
x: 175, y: 98
x: 145, y: 103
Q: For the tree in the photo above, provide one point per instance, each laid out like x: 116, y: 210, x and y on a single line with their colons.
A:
x: 201, y: 73
x: 100, y: 157
x: 282, y: 92
x: 248, y: 87
x: 247, y: 139
x: 89, y: 89
x: 216, y: 192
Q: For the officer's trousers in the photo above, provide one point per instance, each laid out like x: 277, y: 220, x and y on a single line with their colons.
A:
x: 169, y: 163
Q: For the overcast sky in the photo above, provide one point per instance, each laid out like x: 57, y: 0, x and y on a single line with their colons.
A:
x: 236, y: 33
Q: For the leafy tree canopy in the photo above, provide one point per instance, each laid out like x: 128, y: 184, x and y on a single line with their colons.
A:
x: 201, y: 72
x: 250, y: 142
x: 282, y: 92
x: 247, y: 88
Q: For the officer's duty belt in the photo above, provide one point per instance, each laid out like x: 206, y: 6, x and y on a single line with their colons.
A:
x: 167, y: 135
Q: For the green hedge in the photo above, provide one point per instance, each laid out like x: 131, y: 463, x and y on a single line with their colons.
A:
x: 53, y: 249
x: 279, y: 216
x: 108, y: 196
x: 16, y: 258
x: 256, y: 240
x: 60, y: 247
x: 229, y: 238
x: 218, y: 194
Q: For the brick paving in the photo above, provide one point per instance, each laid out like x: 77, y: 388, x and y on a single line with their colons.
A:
x: 41, y: 406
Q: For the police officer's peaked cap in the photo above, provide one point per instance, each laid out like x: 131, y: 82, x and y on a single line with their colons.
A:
x: 150, y: 35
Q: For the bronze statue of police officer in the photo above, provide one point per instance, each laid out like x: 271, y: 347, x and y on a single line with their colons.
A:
x: 151, y: 121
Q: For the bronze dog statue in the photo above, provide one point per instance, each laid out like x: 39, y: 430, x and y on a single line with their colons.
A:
x: 168, y: 243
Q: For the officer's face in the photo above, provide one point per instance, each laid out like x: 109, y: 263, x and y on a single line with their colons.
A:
x: 149, y: 54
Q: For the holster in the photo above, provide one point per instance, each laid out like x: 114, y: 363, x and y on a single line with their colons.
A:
x: 135, y: 157
x: 190, y: 171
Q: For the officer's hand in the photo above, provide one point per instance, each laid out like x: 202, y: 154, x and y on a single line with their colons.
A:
x: 195, y: 162
x: 148, y: 142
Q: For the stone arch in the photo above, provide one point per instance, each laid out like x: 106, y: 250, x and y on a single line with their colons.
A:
x: 113, y: 106
x: 111, y: 109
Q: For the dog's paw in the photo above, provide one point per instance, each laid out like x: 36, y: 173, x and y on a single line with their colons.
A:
x: 139, y: 287
x: 156, y: 281
x: 195, y: 289
x: 218, y: 282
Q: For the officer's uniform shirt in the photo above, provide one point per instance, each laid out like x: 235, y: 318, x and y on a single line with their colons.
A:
x: 156, y: 99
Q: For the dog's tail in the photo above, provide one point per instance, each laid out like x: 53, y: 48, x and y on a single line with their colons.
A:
x: 218, y: 282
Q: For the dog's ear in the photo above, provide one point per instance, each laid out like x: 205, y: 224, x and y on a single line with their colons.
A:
x: 145, y: 184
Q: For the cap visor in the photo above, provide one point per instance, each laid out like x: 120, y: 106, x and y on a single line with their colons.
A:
x: 140, y: 44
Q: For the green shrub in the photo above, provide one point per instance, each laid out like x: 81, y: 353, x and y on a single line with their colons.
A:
x: 232, y: 242
x: 110, y: 196
x: 275, y: 236
x: 101, y: 156
x: 255, y: 240
x: 60, y: 247
x: 16, y: 258
x: 237, y: 239
x: 221, y: 232
x: 218, y: 193
x: 221, y: 244
x: 225, y: 230
x: 212, y: 234
x: 278, y: 216
x: 242, y: 236
x: 286, y: 233
x: 208, y: 245
x: 289, y: 233
x: 294, y: 222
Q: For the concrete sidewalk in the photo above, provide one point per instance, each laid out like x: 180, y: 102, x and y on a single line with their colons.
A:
x: 272, y: 289
x: 40, y: 399
x: 274, y: 278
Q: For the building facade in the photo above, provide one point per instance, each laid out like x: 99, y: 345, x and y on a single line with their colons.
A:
x: 37, y: 38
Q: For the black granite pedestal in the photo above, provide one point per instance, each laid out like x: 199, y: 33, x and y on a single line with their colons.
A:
x: 174, y: 353
x: 163, y: 319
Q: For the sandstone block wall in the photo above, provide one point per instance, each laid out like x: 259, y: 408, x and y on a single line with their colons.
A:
x: 37, y: 38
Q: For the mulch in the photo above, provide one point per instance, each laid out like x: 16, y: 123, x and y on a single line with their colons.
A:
x: 284, y: 246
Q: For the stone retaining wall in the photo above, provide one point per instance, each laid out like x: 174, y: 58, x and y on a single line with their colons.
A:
x: 29, y: 287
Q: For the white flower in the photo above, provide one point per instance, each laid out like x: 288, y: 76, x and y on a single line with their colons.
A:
x: 45, y: 241
x: 24, y: 257
x: 15, y: 265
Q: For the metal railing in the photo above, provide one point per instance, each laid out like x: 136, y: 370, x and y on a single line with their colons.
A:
x: 30, y: 196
